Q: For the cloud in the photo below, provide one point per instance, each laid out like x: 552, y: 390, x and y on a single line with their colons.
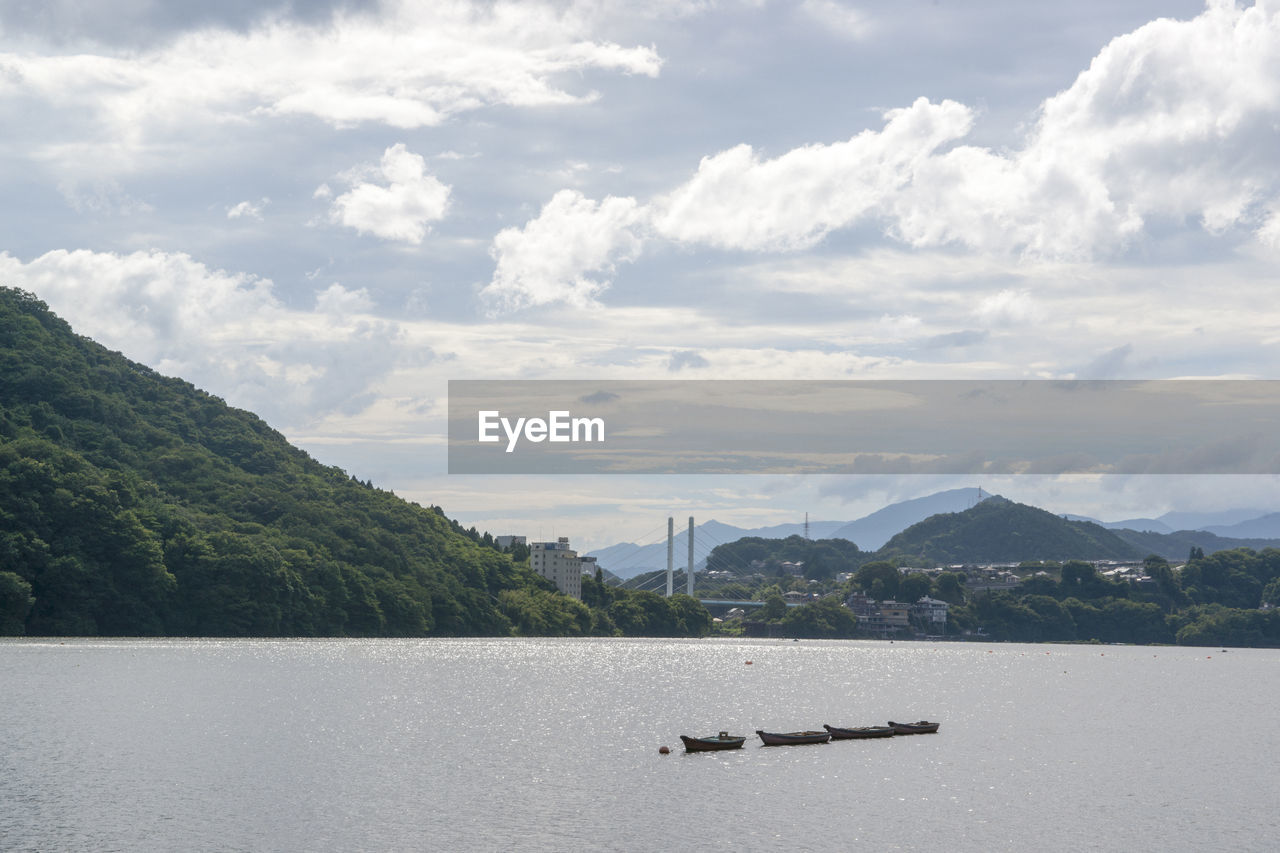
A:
x: 837, y: 18
x: 964, y: 338
x: 1109, y: 365
x: 1009, y: 307
x: 405, y: 65
x: 248, y: 209
x: 738, y: 201
x: 400, y: 210
x: 686, y: 358
x: 547, y: 260
x: 1173, y: 122
x: 1169, y: 130
x: 226, y: 332
x: 336, y: 299
x: 99, y: 195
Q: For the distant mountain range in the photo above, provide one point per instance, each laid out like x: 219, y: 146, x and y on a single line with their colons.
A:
x: 871, y: 532
x: 965, y: 525
x: 628, y: 559
x: 1232, y: 523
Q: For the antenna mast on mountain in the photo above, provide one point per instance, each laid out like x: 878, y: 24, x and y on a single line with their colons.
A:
x: 806, y: 525
x: 981, y: 497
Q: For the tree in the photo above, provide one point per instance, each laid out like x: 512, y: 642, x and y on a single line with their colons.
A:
x: 775, y: 607
x: 947, y: 586
x: 1271, y: 593
x: 824, y: 618
x: 914, y: 586
x: 15, y: 604
x: 1039, y: 585
x: 1158, y: 569
x: 878, y: 579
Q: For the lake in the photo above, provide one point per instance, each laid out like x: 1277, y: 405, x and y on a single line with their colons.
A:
x: 552, y: 745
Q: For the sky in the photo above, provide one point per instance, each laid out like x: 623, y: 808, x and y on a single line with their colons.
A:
x: 323, y: 212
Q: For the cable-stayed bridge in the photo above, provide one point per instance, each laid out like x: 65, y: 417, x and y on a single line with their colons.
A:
x: 665, y: 582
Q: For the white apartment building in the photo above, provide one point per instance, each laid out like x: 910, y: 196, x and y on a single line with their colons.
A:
x: 931, y: 610
x: 559, y: 563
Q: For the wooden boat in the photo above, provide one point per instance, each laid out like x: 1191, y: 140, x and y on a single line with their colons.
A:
x: 724, y: 740
x: 921, y: 727
x: 786, y: 738
x: 838, y: 733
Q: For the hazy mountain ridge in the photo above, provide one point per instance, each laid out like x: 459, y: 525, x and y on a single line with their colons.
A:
x: 627, y: 559
x: 1177, y: 546
x: 873, y: 531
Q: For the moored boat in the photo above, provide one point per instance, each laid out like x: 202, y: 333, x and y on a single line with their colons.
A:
x: 787, y: 738
x: 838, y: 733
x: 920, y: 727
x: 724, y: 740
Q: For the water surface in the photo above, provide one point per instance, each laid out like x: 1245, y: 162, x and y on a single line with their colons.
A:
x: 550, y: 745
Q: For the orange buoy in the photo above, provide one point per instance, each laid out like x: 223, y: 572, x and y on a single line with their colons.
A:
x: 664, y: 750
x: 748, y: 663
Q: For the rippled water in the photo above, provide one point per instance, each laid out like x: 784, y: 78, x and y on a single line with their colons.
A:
x: 137, y: 745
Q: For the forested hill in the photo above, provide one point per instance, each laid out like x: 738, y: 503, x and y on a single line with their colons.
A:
x: 999, y: 530
x: 135, y: 504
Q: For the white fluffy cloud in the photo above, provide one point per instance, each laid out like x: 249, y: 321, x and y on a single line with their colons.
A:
x: 400, y: 210
x: 1173, y: 122
x: 223, y: 331
x: 737, y: 201
x: 336, y: 299
x: 248, y: 209
x: 1172, y: 125
x: 547, y: 260
x: 405, y: 64
x: 1009, y: 307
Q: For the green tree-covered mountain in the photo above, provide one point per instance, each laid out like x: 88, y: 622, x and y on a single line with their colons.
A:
x: 999, y: 530
x: 135, y: 504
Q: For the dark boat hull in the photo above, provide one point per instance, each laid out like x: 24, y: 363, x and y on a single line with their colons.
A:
x: 923, y: 727
x: 712, y: 744
x: 838, y: 733
x: 790, y: 738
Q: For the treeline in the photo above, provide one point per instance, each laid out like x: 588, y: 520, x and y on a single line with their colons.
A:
x: 1225, y: 598
x: 822, y: 558
x: 135, y: 504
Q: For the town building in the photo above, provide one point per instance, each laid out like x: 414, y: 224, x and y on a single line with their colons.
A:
x: 894, y: 616
x: 879, y: 617
x: 930, y: 611
x: 558, y: 563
